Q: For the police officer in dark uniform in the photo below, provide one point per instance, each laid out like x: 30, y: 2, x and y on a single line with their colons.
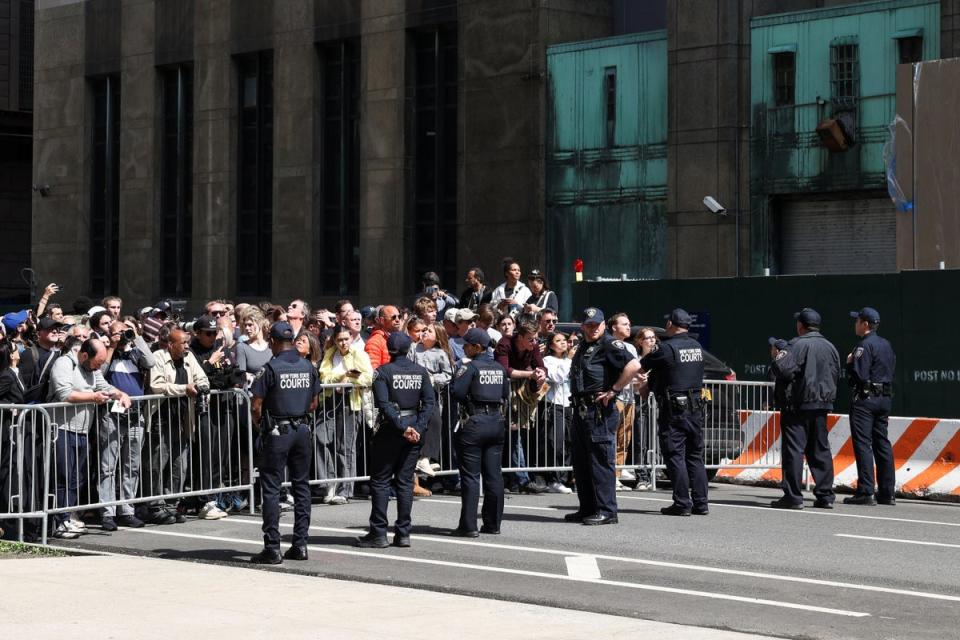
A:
x: 404, y: 397
x: 601, y: 368
x: 481, y: 388
x: 676, y: 379
x: 870, y: 370
x: 284, y: 395
x: 809, y: 368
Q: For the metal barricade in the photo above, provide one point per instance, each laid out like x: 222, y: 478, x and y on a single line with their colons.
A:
x: 160, y: 450
x: 24, y: 441
x: 731, y: 439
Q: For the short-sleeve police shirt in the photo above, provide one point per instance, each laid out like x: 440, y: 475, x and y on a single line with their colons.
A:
x: 287, y: 384
x: 597, y: 365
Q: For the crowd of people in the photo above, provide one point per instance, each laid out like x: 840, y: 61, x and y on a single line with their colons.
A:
x: 97, y: 357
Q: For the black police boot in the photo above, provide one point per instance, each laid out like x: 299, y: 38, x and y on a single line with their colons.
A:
x: 401, y: 541
x: 786, y: 503
x: 267, y: 556
x: 890, y: 502
x: 701, y: 511
x: 108, y: 524
x: 821, y: 503
x: 372, y: 541
x: 489, y: 530
x: 600, y: 518
x: 861, y: 498
x: 674, y: 510
x: 576, y: 516
x: 464, y: 533
x: 296, y: 553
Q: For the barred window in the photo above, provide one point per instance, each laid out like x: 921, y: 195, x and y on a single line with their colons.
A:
x: 104, y: 188
x: 784, y: 79
x: 176, y: 193
x: 844, y: 72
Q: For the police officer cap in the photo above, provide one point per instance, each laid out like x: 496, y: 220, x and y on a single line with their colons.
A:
x: 869, y: 314
x: 779, y: 343
x: 807, y: 317
x: 478, y: 337
x: 281, y: 331
x: 205, y: 323
x: 680, y: 318
x: 592, y: 315
x: 398, y: 342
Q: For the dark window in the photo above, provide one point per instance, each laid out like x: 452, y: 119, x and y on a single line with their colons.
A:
x: 104, y: 189
x: 435, y: 153
x: 26, y: 55
x: 610, y: 101
x: 176, y: 192
x: 255, y: 175
x: 340, y: 168
x: 844, y: 73
x: 910, y: 50
x: 784, y: 79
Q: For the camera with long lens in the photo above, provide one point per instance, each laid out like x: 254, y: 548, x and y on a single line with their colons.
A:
x: 203, y: 400
x: 128, y: 335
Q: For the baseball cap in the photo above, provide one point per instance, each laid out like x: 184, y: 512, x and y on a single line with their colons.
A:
x: 95, y: 310
x: 398, y: 342
x: 779, y: 343
x: 592, y: 315
x: 46, y: 323
x: 279, y: 330
x: 450, y: 315
x: 463, y: 315
x: 367, y: 311
x: 867, y: 313
x: 807, y: 317
x: 11, y: 320
x: 206, y: 323
x: 680, y: 318
x: 536, y: 274
x: 477, y: 336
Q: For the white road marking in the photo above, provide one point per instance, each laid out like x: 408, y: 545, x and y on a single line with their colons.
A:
x: 582, y: 567
x: 919, y: 542
x: 506, y: 506
x: 642, y: 561
x: 808, y: 512
x: 532, y: 574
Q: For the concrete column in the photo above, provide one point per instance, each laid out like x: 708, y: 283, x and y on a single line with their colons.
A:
x: 382, y: 192
x: 61, y: 220
x: 214, y: 153
x: 140, y: 243
x: 294, y: 73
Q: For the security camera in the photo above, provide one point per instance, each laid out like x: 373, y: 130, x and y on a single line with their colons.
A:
x: 714, y: 206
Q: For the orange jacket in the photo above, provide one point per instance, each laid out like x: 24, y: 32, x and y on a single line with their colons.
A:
x: 376, y: 348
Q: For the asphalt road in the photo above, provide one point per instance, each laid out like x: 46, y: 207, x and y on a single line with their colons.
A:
x: 854, y: 572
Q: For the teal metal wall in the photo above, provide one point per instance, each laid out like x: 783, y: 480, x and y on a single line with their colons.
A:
x: 786, y: 156
x: 606, y: 202
x: 744, y: 312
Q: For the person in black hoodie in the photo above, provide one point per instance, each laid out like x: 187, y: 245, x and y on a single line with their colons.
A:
x: 11, y: 392
x: 810, y: 369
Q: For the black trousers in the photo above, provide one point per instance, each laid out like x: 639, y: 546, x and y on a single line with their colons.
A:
x: 290, y: 450
x: 392, y: 461
x: 681, y: 444
x: 868, y: 427
x: 594, y: 450
x: 804, y: 433
x: 479, y: 443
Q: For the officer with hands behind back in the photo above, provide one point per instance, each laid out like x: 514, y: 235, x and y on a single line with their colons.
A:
x: 284, y: 394
x: 404, y: 397
x: 601, y: 368
x: 676, y: 379
x: 482, y: 388
x: 870, y: 370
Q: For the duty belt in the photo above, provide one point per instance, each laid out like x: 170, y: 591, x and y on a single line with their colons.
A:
x: 406, y: 413
x: 874, y: 390
x: 282, y: 426
x: 485, y: 407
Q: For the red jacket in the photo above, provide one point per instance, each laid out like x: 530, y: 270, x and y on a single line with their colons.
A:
x: 376, y: 348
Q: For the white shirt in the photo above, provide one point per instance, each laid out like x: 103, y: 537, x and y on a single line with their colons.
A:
x: 521, y: 293
x: 626, y: 396
x: 558, y: 377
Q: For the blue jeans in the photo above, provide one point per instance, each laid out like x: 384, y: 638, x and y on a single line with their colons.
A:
x: 71, y: 460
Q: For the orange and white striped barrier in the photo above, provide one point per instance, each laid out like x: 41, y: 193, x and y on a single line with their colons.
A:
x: 926, y: 453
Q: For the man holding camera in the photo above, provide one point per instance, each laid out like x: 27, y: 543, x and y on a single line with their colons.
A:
x: 121, y: 434
x: 432, y: 290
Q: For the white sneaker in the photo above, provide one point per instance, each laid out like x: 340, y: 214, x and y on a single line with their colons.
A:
x: 210, y: 511
x: 75, y: 526
x: 627, y: 474
x: 64, y: 533
x: 622, y: 487
x: 423, y: 466
x: 642, y: 486
x: 338, y: 500
x: 556, y: 487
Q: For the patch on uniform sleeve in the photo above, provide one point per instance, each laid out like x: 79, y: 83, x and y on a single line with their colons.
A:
x: 462, y: 370
x: 619, y: 344
x: 781, y: 354
x: 858, y: 353
x: 376, y: 373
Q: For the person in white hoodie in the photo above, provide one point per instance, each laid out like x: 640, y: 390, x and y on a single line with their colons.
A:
x: 509, y: 297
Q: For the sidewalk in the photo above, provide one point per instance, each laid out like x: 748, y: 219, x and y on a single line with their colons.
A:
x: 133, y: 597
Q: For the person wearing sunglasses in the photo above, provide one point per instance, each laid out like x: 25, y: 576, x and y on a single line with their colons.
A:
x: 388, y: 321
